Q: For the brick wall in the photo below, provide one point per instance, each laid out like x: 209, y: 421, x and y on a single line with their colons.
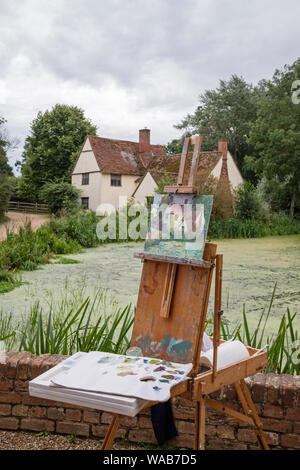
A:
x: 277, y: 398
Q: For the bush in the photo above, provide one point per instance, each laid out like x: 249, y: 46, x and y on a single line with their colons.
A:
x: 248, y: 204
x: 59, y: 196
x: 5, y: 193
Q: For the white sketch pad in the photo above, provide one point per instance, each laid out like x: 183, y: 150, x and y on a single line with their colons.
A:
x: 146, y: 378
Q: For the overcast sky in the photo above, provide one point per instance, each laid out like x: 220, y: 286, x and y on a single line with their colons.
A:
x: 135, y: 63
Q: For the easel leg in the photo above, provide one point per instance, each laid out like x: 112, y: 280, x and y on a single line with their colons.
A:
x: 250, y: 410
x: 111, y: 432
x: 199, y: 435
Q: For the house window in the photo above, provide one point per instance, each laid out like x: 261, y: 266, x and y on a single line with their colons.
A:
x: 115, y: 180
x: 85, y: 178
x: 85, y: 202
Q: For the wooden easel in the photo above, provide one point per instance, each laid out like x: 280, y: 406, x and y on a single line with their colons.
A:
x: 170, y: 320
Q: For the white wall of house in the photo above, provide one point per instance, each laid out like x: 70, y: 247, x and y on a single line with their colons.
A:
x: 234, y: 174
x: 87, y: 163
x: 91, y: 190
x: 145, y: 189
x: 110, y: 194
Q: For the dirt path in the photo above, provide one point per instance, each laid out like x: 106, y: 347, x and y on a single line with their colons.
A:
x: 18, y: 219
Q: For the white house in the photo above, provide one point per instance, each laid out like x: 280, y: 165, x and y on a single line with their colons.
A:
x: 108, y: 168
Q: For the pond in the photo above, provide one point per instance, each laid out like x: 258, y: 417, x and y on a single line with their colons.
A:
x: 251, y: 269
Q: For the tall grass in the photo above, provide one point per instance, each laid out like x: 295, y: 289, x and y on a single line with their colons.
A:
x: 72, y: 328
x: 236, y: 228
x: 282, y: 347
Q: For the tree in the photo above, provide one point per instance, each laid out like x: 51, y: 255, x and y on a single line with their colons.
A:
x: 225, y: 113
x: 5, y: 168
x: 248, y: 204
x: 59, y: 196
x: 275, y: 136
x: 52, y: 146
x: 5, y: 192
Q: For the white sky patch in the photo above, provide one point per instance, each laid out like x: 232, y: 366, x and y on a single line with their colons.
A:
x: 134, y: 64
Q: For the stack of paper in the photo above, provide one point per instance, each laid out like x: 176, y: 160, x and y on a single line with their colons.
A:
x: 110, y: 382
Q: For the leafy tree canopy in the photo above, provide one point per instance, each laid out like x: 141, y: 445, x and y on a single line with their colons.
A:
x: 225, y: 113
x: 275, y: 136
x: 5, y: 168
x: 52, y: 146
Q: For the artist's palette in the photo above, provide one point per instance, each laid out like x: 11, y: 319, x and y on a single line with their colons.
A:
x: 146, y: 378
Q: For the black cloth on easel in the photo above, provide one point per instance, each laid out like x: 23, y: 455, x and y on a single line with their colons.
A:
x: 163, y: 422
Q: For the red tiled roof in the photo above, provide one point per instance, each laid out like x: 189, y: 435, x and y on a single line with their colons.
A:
x: 122, y: 156
x: 170, y: 165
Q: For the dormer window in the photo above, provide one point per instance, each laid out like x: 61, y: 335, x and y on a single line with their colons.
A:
x: 85, y: 179
x: 115, y: 180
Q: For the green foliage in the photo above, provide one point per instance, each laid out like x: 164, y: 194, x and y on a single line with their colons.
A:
x: 225, y: 113
x: 281, y: 347
x: 83, y: 330
x: 5, y: 193
x: 8, y: 282
x: 5, y: 168
x: 165, y: 180
x: 50, y: 150
x: 175, y: 146
x: 59, y: 196
x: 275, y: 137
x: 248, y: 204
x: 251, y: 228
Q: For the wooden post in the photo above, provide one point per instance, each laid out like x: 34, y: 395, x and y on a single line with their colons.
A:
x: 217, y: 311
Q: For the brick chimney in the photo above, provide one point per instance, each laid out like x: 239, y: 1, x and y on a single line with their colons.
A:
x: 144, y: 141
x: 223, y: 147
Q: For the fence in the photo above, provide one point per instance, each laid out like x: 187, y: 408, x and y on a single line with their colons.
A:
x: 27, y: 207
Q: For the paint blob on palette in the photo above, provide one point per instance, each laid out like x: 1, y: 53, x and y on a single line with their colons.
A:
x: 140, y: 377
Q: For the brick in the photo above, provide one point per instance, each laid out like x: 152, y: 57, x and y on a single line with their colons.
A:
x: 142, y: 435
x: 20, y: 410
x: 276, y: 425
x: 258, y: 388
x: 297, y: 428
x: 9, y: 423
x: 225, y: 432
x: 28, y: 400
x: 293, y: 414
x: 145, y: 422
x: 128, y: 422
x: 10, y: 397
x: 105, y: 418
x: 246, y: 435
x: 34, y: 424
x: 5, y: 410
x: 99, y: 430
x: 65, y: 427
x: 290, y: 440
x: 229, y: 393
x: 272, y: 438
x: 185, y: 427
x: 271, y: 411
x: 214, y: 443
x: 273, y: 388
x: 12, y: 364
x: 50, y: 360
x: 91, y: 417
x: 21, y: 385
x: 73, y: 415
x: 23, y: 365
x: 183, y: 413
x: 37, y: 412
x: 210, y: 430
x: 288, y: 390
x: 6, y: 384
x: 56, y: 413
x: 34, y: 369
